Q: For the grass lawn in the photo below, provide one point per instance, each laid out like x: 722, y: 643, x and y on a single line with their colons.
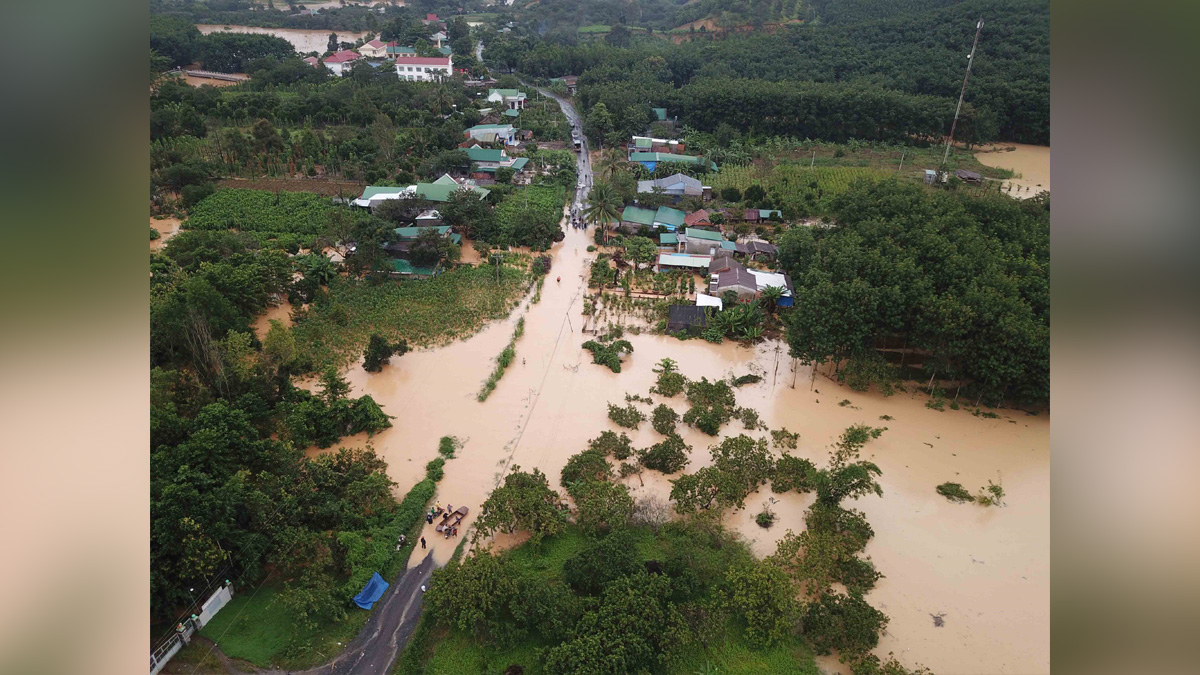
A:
x: 450, y: 306
x: 253, y: 628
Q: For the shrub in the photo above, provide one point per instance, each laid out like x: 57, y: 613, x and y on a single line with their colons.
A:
x: 746, y: 379
x: 668, y: 456
x: 664, y: 419
x: 629, y: 416
x: 602, y: 506
x: 670, y: 381
x: 448, y: 446
x: 845, y: 623
x: 608, y: 354
x: 610, y: 443
x: 992, y: 495
x: 955, y: 492
x: 765, y: 519
x: 434, y: 469
x: 782, y: 438
x: 379, y: 351
x: 749, y: 418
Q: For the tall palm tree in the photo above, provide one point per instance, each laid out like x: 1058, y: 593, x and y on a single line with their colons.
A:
x: 610, y: 162
x: 604, y: 207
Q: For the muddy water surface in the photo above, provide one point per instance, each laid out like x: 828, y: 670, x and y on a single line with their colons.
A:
x: 167, y: 227
x: 1031, y: 163
x: 985, y: 571
x: 303, y: 40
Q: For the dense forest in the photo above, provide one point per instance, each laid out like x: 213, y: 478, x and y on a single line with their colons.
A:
x: 281, y: 14
x: 960, y: 281
x: 914, y: 60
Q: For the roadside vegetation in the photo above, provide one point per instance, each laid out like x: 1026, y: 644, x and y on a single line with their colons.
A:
x: 503, y: 361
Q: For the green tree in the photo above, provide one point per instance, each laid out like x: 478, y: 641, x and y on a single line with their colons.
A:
x: 842, y: 622
x: 332, y: 44
x: 762, y: 595
x: 602, y: 506
x: 583, y: 467
x: 525, y: 502
x: 668, y: 455
x: 640, y: 250
x: 473, y: 595
x: 663, y: 419
x: 600, y: 562
x: 379, y: 352
x: 604, y: 207
x: 740, y: 465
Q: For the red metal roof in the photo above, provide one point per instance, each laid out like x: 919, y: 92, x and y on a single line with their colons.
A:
x: 423, y: 60
x: 700, y: 216
x: 343, y: 57
x: 375, y: 44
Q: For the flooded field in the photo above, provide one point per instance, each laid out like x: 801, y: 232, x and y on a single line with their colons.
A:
x: 1031, y: 163
x: 201, y: 81
x: 986, y: 572
x: 302, y: 39
x: 167, y: 227
x: 281, y: 312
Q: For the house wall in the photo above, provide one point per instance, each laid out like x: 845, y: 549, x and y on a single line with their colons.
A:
x: 422, y: 73
x: 702, y: 246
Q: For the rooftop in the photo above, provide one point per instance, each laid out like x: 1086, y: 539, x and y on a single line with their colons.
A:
x: 636, y: 214
x: 684, y: 260
x: 423, y: 60
x: 507, y: 93
x: 696, y: 233
x: 478, y: 154
x: 660, y: 114
x: 343, y: 56
x: 668, y: 239
x: 669, y: 216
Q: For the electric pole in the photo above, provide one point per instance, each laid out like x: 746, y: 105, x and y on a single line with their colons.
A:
x: 970, y: 62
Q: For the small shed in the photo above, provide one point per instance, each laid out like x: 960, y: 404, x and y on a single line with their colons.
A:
x: 968, y: 176
x: 690, y: 318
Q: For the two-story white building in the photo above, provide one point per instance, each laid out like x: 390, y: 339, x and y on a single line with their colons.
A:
x: 375, y: 49
x: 492, y: 133
x: 423, y: 68
x: 510, y: 98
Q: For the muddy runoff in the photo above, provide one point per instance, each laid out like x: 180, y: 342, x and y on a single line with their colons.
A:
x: 1030, y: 163
x: 304, y: 40
x: 984, y: 571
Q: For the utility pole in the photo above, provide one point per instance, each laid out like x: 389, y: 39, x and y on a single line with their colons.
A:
x: 970, y: 62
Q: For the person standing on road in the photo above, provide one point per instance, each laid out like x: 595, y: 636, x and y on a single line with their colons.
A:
x: 422, y: 543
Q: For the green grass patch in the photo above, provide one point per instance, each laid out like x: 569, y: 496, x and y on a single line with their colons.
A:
x: 274, y: 218
x: 734, y: 656
x: 435, y: 311
x: 254, y: 628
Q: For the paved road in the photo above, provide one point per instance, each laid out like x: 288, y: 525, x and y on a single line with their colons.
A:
x: 392, y: 622
x: 584, y: 163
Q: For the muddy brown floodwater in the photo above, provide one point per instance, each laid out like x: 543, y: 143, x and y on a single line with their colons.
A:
x: 987, y: 571
x: 1030, y: 162
x: 303, y: 40
x: 167, y: 228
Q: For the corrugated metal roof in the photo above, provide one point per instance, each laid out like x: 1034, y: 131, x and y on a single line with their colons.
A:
x: 683, y: 260
x: 696, y: 233
x: 636, y: 214
x: 668, y: 239
x: 669, y: 216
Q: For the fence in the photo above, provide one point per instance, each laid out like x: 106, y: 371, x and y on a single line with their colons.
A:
x: 186, y: 628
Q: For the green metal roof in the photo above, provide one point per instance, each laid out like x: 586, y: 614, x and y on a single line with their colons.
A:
x: 372, y: 190
x: 636, y: 214
x: 506, y: 92
x: 435, y: 192
x: 667, y: 157
x: 489, y: 127
x: 728, y: 246
x: 642, y: 143
x: 519, y: 163
x: 660, y: 113
x: 444, y: 49
x: 412, y: 232
x: 445, y: 179
x: 696, y: 233
x: 668, y: 239
x: 669, y: 216
x: 478, y: 154
x: 766, y: 213
x: 400, y: 50
x: 512, y: 112
x: 405, y: 267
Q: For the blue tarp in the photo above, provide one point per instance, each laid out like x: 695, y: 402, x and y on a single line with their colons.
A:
x: 371, y: 592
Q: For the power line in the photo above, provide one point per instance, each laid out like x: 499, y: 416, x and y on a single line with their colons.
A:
x: 962, y: 93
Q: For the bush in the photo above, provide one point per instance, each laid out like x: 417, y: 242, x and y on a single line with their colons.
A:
x: 434, y: 470
x: 765, y: 519
x: 746, y: 379
x: 668, y: 456
x: 845, y: 623
x: 610, y: 443
x: 670, y: 381
x: 629, y: 416
x: 191, y: 195
x: 664, y: 419
x: 955, y: 492
x: 379, y: 352
x: 448, y: 446
x: 782, y: 438
x: 608, y: 354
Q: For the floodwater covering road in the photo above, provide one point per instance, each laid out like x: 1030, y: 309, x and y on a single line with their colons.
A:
x: 984, y: 571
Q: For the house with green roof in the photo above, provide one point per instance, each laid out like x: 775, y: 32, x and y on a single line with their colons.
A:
x: 704, y: 242
x: 441, y: 192
x: 510, y: 98
x: 669, y: 218
x: 486, y: 161
x: 636, y: 217
x: 512, y: 112
x: 660, y: 114
x: 404, y: 268
x: 650, y: 160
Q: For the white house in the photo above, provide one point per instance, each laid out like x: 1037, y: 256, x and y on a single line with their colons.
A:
x: 423, y: 68
x: 511, y: 98
x: 438, y: 38
x: 340, y: 62
x: 375, y: 49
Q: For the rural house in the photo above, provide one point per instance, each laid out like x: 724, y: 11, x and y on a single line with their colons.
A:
x: 698, y: 219
x: 375, y: 49
x: 394, y: 49
x: 636, y: 217
x: 968, y: 176
x: 764, y: 280
x: 484, y: 162
x: 756, y: 249
x: 339, y: 63
x: 492, y: 133
x: 423, y: 68
x: 705, y: 242
x: 737, y: 279
x: 650, y: 160
x: 695, y: 264
x: 676, y: 185
x: 648, y: 144
x: 438, y: 191
x: 511, y: 98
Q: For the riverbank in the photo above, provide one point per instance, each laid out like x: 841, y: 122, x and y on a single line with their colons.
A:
x: 1030, y: 165
x: 303, y: 40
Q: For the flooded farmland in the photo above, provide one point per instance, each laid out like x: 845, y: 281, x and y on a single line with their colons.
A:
x: 1030, y: 163
x: 303, y: 40
x: 985, y: 572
